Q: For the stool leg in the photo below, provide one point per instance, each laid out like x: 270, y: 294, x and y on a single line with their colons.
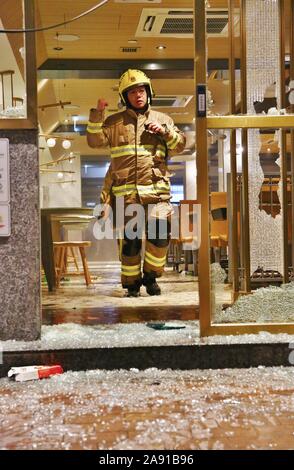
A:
x: 195, y: 262
x: 74, y: 258
x: 56, y: 260
x: 61, y: 263
x: 85, y: 266
x: 65, y: 260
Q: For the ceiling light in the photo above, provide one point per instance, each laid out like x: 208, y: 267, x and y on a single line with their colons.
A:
x: 60, y: 175
x: 161, y: 47
x: 67, y: 37
x: 51, y: 142
x: 66, y: 144
x: 71, y: 106
x: 132, y: 41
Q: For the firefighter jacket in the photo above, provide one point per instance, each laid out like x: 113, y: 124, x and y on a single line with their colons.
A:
x: 138, y: 157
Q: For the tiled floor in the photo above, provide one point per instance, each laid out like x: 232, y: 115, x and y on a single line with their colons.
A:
x: 220, y: 409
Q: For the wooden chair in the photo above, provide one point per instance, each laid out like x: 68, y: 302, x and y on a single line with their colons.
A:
x: 183, y: 249
x: 219, y: 228
x: 218, y: 221
x: 62, y: 251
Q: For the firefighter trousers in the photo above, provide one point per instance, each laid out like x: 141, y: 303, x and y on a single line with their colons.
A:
x: 157, y: 227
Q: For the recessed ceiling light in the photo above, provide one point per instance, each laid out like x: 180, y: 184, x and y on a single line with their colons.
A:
x: 71, y: 106
x: 67, y: 37
x: 153, y: 66
x: 161, y: 47
x: 132, y: 41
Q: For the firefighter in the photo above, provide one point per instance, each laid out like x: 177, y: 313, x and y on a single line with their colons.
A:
x: 140, y: 141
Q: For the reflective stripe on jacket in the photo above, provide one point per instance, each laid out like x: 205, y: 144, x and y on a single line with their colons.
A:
x: 138, y: 157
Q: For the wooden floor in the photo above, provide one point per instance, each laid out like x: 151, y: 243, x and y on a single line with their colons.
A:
x: 111, y: 315
x: 105, y: 302
x: 126, y: 410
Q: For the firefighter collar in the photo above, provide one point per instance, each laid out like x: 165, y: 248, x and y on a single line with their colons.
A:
x: 133, y: 113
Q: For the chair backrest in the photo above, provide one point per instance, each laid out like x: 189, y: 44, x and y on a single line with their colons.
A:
x: 187, y: 209
x: 218, y: 220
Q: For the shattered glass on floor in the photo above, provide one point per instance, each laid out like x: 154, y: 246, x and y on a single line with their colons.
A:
x: 220, y: 409
x: 267, y: 304
x: 75, y: 336
x: 106, y: 291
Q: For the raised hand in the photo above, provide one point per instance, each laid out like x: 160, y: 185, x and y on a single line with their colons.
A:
x: 102, y: 104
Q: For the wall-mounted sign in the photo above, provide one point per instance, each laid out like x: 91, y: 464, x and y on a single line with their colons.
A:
x: 4, y: 189
x: 4, y: 172
x: 5, y: 230
x: 201, y: 100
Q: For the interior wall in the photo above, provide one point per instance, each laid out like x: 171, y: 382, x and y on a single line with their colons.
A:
x: 191, y: 190
x: 8, y: 62
x: 54, y: 193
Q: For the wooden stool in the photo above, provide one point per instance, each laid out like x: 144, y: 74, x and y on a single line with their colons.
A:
x: 61, y: 252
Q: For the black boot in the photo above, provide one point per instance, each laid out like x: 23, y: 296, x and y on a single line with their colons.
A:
x: 152, y: 288
x: 134, y: 290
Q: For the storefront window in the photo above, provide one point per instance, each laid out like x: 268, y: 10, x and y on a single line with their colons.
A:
x: 17, y: 76
x: 251, y: 227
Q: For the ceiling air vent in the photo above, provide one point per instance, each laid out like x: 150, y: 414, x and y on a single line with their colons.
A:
x: 177, y: 26
x: 129, y: 49
x: 179, y: 23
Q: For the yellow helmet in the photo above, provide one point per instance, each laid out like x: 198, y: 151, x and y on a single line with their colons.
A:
x: 133, y: 78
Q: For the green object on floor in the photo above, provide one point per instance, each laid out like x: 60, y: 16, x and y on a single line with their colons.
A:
x: 165, y: 326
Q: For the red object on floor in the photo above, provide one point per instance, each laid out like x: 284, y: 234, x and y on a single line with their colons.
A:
x: 22, y: 374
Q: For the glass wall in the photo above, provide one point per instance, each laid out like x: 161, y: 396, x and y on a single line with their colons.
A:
x: 247, y: 137
x: 13, y: 103
x: 251, y: 227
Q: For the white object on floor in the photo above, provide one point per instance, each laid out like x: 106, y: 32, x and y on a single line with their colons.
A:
x: 23, y: 374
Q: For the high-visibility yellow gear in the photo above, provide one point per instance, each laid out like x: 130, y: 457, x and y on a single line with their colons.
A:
x: 138, y: 172
x: 138, y: 158
x: 133, y: 264
x: 132, y: 78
